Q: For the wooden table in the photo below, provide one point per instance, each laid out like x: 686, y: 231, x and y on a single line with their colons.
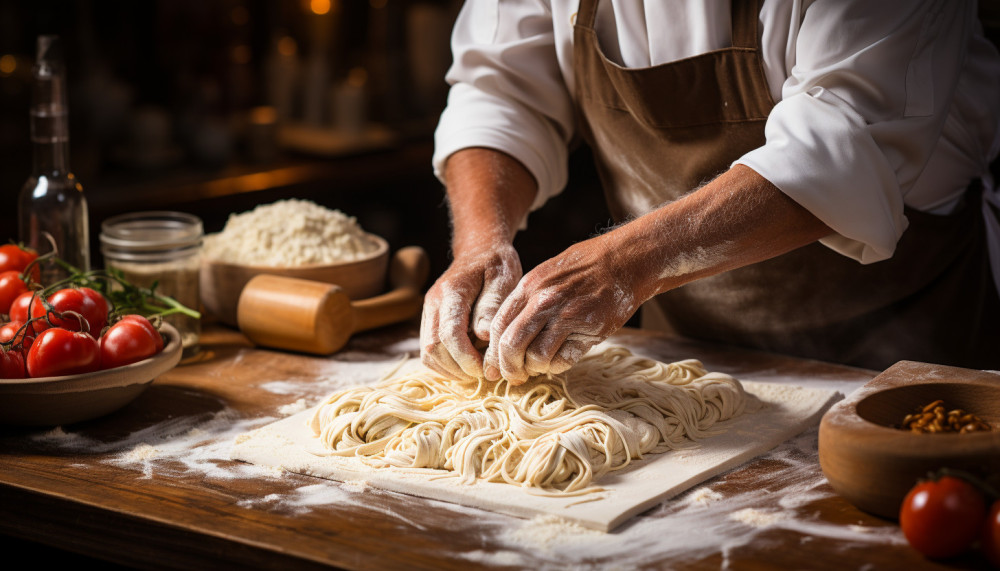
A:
x: 152, y: 485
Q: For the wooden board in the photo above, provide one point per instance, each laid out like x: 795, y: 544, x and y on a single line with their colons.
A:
x: 778, y: 413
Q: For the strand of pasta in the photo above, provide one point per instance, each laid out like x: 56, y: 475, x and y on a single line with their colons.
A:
x: 558, y: 433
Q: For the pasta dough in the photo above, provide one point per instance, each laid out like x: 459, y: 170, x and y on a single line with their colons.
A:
x: 558, y: 433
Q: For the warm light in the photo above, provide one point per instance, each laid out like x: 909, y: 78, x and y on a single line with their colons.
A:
x: 241, y: 54
x: 319, y: 6
x: 357, y: 77
x: 239, y: 15
x: 377, y: 4
x: 264, y: 115
x: 8, y: 64
x: 287, y: 46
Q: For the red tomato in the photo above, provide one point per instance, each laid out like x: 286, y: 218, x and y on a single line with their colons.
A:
x: 59, y: 351
x: 12, y: 257
x: 130, y: 340
x: 102, y: 308
x: 991, y: 535
x: 942, y: 518
x: 19, y: 309
x: 146, y: 323
x: 85, y: 301
x: 23, y: 342
x: 11, y: 365
x: 11, y: 286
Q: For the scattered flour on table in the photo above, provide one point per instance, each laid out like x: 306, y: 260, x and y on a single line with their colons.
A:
x: 141, y: 453
x: 781, y: 486
x: 757, y: 518
x: 705, y: 496
x: 340, y: 375
x: 56, y: 433
x: 356, y: 485
x: 542, y: 532
x: 293, y: 408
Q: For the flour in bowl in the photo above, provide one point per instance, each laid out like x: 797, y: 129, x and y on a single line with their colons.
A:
x: 289, y: 233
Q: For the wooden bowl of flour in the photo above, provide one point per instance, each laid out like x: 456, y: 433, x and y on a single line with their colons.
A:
x: 222, y: 282
x: 873, y: 464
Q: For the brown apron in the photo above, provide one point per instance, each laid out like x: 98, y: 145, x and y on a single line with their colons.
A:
x: 661, y: 131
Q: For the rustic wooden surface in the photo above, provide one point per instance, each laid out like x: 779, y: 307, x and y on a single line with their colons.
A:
x: 83, y: 503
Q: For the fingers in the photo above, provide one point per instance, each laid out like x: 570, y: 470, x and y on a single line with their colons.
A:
x: 444, y: 340
x: 538, y: 357
x: 575, y: 347
x: 499, y: 282
x: 508, y: 311
x: 509, y: 342
x: 453, y: 324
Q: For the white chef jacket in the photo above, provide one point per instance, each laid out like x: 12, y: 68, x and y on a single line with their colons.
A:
x: 878, y: 103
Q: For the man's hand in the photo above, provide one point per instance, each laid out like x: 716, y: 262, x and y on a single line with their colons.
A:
x: 559, y: 311
x: 465, y: 298
x: 489, y: 194
x: 577, y: 299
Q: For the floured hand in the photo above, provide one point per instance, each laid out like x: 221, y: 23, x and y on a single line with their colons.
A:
x: 464, y: 299
x: 558, y: 312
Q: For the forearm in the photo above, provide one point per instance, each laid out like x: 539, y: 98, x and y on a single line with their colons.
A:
x: 567, y: 304
x: 489, y: 194
x: 736, y: 220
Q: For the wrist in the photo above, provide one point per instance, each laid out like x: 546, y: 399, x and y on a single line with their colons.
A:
x: 628, y: 263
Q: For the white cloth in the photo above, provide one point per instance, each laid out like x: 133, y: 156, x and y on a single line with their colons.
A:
x: 879, y: 104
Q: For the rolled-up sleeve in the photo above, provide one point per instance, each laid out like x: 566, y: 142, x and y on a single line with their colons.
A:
x: 861, y: 113
x: 507, y: 91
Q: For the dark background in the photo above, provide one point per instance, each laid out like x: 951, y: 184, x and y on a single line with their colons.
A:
x: 161, y: 92
x: 160, y: 95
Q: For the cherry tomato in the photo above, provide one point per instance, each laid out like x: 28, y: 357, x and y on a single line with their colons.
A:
x: 19, y: 309
x: 11, y: 365
x: 11, y: 286
x: 85, y: 301
x: 990, y: 539
x: 942, y: 518
x: 8, y: 332
x: 102, y: 309
x: 130, y: 340
x: 58, y: 351
x: 13, y: 257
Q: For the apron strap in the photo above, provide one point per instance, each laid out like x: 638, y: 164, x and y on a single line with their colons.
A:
x: 745, y: 15
x: 586, y: 14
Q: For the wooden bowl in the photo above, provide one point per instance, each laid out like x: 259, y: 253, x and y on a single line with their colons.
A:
x: 51, y: 401
x: 873, y: 465
x: 221, y: 282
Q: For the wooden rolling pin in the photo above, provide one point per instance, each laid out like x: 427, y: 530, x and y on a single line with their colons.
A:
x: 316, y: 317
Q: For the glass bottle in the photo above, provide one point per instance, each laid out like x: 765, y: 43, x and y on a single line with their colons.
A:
x: 51, y: 201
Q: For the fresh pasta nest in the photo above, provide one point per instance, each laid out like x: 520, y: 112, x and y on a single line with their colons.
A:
x: 558, y: 433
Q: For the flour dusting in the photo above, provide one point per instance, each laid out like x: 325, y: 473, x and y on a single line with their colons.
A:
x: 293, y: 408
x: 757, y: 518
x: 140, y: 453
x: 779, y: 490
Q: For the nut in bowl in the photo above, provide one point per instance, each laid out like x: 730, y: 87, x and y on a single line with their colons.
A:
x: 870, y: 452
x: 222, y: 282
x: 51, y: 401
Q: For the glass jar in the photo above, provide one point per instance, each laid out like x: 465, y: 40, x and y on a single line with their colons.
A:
x: 159, y: 247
